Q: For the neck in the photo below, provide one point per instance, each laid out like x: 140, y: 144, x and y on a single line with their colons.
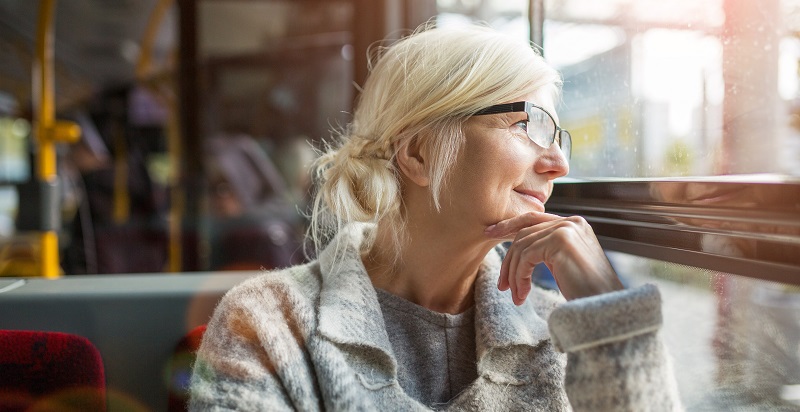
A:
x: 433, y: 269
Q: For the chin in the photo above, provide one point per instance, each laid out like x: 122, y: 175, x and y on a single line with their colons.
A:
x: 525, y: 208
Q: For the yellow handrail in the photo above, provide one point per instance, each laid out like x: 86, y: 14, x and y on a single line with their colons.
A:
x: 144, y: 65
x: 48, y: 130
x: 144, y: 68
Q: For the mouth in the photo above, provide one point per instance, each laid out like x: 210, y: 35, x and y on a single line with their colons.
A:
x: 533, y: 197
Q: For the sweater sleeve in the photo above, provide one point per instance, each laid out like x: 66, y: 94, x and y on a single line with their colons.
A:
x: 615, y: 359
x: 235, y: 368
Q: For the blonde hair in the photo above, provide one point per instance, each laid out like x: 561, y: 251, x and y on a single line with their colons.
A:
x: 430, y: 81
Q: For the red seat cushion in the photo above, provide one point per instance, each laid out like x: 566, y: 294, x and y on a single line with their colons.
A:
x: 61, y: 370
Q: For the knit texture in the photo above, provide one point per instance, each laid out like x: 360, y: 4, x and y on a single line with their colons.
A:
x: 435, y: 352
x: 313, y: 337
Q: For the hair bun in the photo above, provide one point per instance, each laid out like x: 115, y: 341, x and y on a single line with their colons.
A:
x: 357, y: 187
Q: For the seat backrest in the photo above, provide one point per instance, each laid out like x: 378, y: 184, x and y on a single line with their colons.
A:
x: 180, y: 368
x: 50, y: 371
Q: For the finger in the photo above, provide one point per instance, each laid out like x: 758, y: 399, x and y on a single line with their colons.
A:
x: 542, y: 228
x: 508, y: 268
x: 524, y: 273
x: 516, y: 277
x: 502, y: 282
x: 509, y: 227
x: 511, y: 269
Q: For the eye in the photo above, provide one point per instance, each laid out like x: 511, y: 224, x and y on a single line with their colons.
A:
x: 521, y: 125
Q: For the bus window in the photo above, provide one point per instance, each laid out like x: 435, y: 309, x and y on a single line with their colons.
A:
x: 510, y: 17
x: 277, y: 77
x: 733, y: 339
x: 655, y: 89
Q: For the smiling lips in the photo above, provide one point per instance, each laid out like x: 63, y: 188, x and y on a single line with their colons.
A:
x: 535, y: 197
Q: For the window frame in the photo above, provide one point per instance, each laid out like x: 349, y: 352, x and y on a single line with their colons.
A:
x: 628, y: 216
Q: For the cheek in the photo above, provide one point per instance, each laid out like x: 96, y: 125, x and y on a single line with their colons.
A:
x: 490, y: 166
x: 496, y: 185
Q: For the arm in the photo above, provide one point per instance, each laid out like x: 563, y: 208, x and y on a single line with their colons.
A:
x: 252, y: 358
x: 615, y: 359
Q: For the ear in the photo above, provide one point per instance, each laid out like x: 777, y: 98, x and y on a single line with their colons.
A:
x: 411, y: 160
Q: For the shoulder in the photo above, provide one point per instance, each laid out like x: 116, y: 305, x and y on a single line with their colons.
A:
x: 286, y: 295
x: 301, y: 282
x: 259, y: 330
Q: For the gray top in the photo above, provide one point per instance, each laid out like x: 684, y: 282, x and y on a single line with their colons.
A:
x: 435, y: 351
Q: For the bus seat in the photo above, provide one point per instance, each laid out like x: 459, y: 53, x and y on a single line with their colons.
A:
x: 50, y: 371
x: 180, y: 368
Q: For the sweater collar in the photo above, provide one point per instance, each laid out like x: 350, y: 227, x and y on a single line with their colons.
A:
x: 504, y: 332
x: 499, y: 323
x: 350, y: 314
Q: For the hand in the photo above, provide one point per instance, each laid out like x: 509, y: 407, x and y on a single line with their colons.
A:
x: 567, y: 245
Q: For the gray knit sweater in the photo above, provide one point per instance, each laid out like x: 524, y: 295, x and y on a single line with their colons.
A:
x: 312, y: 338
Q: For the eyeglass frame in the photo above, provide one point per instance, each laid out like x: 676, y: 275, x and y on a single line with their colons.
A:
x: 527, y: 107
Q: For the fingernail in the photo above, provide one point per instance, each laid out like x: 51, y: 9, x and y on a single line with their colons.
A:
x: 490, y: 228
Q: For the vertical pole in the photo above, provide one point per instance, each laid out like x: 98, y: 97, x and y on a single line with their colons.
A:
x: 375, y: 20
x: 44, y: 107
x: 173, y: 133
x: 536, y: 20
x: 188, y: 150
x: 750, y: 144
x: 751, y: 108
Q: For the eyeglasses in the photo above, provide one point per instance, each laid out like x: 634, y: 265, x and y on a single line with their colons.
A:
x: 541, y: 127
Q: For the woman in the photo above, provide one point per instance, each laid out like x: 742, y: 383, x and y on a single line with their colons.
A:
x: 452, y: 150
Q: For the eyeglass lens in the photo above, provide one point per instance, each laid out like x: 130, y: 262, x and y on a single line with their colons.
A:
x: 542, y: 130
x: 539, y: 125
x: 565, y: 142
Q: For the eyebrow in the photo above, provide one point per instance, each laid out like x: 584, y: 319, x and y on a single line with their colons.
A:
x: 504, y: 117
x: 517, y: 116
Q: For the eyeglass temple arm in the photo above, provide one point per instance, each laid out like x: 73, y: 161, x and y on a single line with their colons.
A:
x: 503, y: 108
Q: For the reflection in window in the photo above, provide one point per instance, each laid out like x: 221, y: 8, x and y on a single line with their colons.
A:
x: 733, y: 340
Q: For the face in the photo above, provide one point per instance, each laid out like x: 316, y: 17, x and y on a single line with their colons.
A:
x: 500, y: 172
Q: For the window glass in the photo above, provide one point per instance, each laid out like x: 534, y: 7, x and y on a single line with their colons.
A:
x: 14, y: 162
x: 733, y: 340
x: 677, y: 88
x: 140, y: 195
x: 509, y: 16
x: 277, y: 78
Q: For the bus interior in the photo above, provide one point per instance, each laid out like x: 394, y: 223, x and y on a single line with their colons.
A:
x: 155, y: 153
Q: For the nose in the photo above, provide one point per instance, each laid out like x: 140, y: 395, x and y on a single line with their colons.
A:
x: 552, y: 162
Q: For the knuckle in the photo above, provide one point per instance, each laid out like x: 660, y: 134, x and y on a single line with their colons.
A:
x: 564, y: 233
x: 528, y: 253
x: 578, y: 220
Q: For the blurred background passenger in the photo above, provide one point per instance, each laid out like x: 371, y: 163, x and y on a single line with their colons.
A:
x: 121, y: 209
x: 254, y: 222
